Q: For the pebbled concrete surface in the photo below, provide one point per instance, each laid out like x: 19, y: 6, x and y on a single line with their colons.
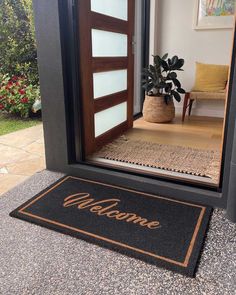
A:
x: 38, y: 261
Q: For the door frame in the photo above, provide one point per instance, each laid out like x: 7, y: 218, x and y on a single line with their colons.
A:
x: 141, y: 57
x: 60, y: 88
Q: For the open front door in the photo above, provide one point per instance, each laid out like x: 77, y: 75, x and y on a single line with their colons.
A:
x: 106, y: 68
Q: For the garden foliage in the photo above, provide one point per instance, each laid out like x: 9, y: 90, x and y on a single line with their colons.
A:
x: 18, y: 55
x: 17, y: 96
x: 19, y: 81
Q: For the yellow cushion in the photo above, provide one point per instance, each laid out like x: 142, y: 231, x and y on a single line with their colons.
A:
x: 210, y: 77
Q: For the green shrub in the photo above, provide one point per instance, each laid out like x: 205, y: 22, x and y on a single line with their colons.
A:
x: 16, y: 96
x: 17, y: 41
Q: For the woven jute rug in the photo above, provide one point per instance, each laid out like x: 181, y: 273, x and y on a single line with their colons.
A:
x: 205, y: 163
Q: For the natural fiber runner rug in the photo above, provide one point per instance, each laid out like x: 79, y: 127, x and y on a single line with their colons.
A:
x: 167, y: 157
x: 158, y: 230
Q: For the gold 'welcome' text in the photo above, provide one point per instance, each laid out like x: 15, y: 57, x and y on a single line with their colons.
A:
x: 108, y: 208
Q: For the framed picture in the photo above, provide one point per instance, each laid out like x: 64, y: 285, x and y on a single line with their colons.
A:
x: 214, y: 14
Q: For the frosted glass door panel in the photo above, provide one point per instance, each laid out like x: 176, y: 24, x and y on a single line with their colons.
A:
x: 114, y: 8
x: 106, y: 83
x: 109, y: 44
x: 110, y: 118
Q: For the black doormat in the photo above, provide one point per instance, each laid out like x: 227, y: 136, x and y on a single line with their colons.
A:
x: 161, y: 231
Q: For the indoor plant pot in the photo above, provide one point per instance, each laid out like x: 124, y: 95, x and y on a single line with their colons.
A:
x: 155, y: 109
x: 162, y: 86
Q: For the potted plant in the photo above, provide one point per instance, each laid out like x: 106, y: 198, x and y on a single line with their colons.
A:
x: 162, y: 86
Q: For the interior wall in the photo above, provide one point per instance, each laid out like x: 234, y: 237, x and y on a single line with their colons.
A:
x: 172, y: 31
x: 154, y: 16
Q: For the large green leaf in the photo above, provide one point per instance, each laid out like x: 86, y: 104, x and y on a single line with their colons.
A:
x: 177, y: 83
x: 165, y: 56
x: 179, y: 64
x: 176, y: 95
x: 181, y: 90
x: 169, y: 62
x: 172, y: 75
x: 157, y: 60
x: 164, y: 65
x: 174, y: 60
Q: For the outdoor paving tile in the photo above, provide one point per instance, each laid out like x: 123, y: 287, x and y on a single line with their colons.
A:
x: 27, y: 167
x: 41, y: 140
x: 21, y: 155
x: 23, y: 137
x: 8, y: 181
x: 10, y: 154
x: 35, y: 148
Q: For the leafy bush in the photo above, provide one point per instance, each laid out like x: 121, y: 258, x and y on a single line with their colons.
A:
x: 17, y: 41
x: 161, y: 78
x: 16, y: 97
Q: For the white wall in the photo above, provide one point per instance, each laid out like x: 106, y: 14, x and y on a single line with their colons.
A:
x: 154, y: 11
x: 174, y: 33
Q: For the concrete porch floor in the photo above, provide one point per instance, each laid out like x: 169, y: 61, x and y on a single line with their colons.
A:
x: 21, y: 155
x: 35, y: 260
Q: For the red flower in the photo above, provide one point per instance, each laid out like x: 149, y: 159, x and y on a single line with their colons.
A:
x: 22, y: 91
x: 9, y: 84
x: 1, y: 106
x: 14, y: 78
x: 25, y: 100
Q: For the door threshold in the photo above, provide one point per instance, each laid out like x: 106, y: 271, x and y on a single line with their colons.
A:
x: 127, y: 167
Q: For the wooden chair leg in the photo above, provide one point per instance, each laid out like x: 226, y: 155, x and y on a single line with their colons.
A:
x: 186, y: 99
x: 190, y: 106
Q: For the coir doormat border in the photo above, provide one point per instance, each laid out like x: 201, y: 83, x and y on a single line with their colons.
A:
x: 188, y: 267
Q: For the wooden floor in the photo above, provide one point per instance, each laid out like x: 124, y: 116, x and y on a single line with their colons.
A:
x: 197, y: 132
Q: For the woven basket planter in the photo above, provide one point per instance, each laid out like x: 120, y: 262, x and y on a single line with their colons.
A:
x: 155, y: 110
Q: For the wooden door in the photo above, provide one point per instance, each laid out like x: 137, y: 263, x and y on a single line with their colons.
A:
x: 106, y: 69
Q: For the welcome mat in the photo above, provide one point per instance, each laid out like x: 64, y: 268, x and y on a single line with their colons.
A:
x: 205, y: 163
x: 158, y: 230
